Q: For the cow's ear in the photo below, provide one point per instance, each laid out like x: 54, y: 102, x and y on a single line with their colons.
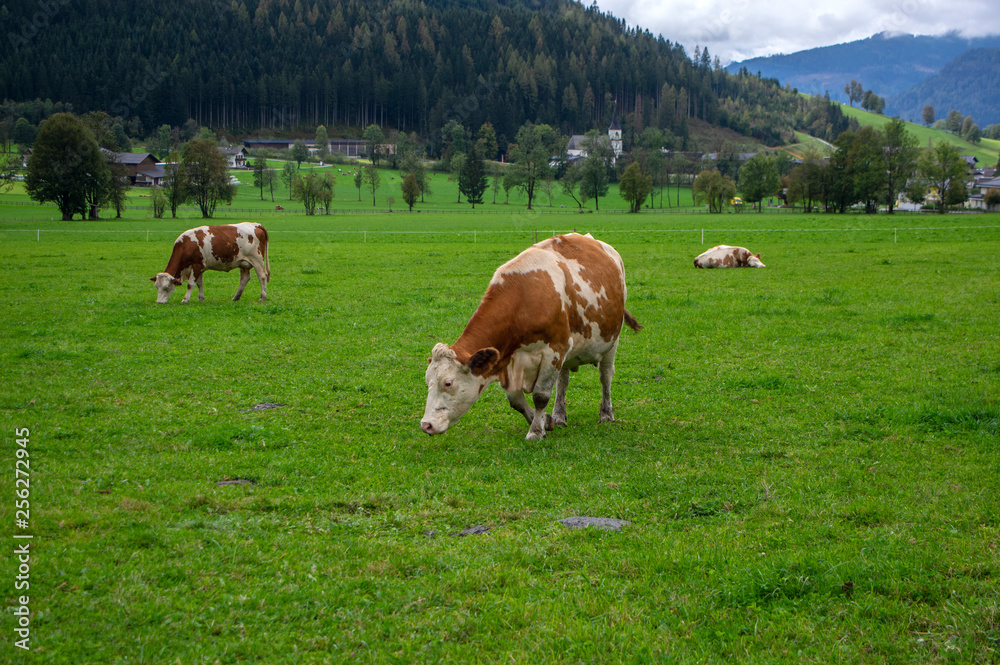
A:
x: 152, y: 279
x: 483, y: 360
x: 757, y: 255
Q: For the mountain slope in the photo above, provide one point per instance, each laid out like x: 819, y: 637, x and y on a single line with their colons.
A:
x: 290, y: 64
x: 888, y: 65
x: 969, y: 83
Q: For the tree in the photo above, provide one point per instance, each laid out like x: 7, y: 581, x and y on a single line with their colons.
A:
x: 928, y: 115
x: 411, y: 190
x: 571, y: 185
x: 322, y: 143
x: 288, y: 172
x: 9, y: 163
x: 457, y: 164
x: 300, y: 152
x: 117, y: 185
x: 855, y: 92
x: 159, y: 201
x: 758, y: 179
x: 410, y: 162
x: 953, y: 123
x: 207, y: 172
x: 872, y: 102
x: 359, y: 179
x: 859, y: 169
x: 24, y: 133
x: 175, y: 184
x: 713, y: 188
x: 307, y: 189
x: 899, y: 152
x: 594, y: 167
x: 635, y: 186
x: 372, y: 178
x: 943, y: 169
x: 65, y: 165
x: 532, y: 150
x: 259, y: 167
x: 472, y: 179
x: 376, y: 142
x: 805, y: 181
x: 488, y: 137
x: 327, y: 191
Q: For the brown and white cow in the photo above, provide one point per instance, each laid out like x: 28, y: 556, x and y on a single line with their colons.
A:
x: 555, y: 306
x: 725, y: 256
x: 221, y: 247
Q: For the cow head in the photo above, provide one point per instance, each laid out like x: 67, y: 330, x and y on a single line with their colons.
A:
x: 165, y: 285
x: 453, y: 387
x: 754, y: 261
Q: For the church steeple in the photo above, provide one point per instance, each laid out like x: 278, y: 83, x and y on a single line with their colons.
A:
x: 615, y: 133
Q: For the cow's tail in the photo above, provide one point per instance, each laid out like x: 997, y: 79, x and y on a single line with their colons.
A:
x: 631, y: 321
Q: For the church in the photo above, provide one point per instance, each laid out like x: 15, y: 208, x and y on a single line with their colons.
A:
x: 575, y: 149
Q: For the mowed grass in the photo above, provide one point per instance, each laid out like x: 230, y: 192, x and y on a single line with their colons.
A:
x: 808, y: 454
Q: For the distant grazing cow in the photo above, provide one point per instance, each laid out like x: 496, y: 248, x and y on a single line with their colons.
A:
x: 557, y: 305
x: 222, y: 247
x: 724, y: 256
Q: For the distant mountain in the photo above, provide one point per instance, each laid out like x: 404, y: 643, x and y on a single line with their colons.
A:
x: 886, y: 64
x: 970, y: 83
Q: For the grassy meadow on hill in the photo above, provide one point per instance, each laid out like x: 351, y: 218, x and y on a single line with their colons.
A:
x: 986, y: 151
x: 807, y: 454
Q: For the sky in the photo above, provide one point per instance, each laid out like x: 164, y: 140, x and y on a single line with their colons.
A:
x: 736, y: 30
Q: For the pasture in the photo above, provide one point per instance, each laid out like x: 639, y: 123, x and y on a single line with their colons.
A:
x: 807, y: 454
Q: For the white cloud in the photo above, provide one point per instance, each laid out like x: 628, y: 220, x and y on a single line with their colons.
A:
x: 741, y: 29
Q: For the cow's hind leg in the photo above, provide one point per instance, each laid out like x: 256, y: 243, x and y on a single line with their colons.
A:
x: 200, y: 281
x: 607, y: 372
x: 244, y: 278
x: 263, y: 277
x: 559, y: 408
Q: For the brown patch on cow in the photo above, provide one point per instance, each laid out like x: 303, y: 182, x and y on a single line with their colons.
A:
x: 261, y: 234
x: 200, y: 235
x: 186, y: 254
x: 224, y: 246
x: 525, y: 308
x: 729, y: 260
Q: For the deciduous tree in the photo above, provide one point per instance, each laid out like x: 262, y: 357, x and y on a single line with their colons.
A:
x: 713, y: 188
x: 207, y: 173
x: 411, y: 190
x: 66, y: 166
x: 635, y: 186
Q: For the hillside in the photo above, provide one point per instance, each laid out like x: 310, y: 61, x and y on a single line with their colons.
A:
x: 985, y: 151
x: 968, y: 83
x: 289, y: 65
x: 888, y: 65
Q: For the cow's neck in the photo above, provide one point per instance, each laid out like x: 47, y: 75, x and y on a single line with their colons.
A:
x: 489, y: 327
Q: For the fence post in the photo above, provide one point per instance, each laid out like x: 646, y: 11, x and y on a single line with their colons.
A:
x: 38, y: 235
x: 703, y: 236
x: 366, y: 236
x: 895, y: 236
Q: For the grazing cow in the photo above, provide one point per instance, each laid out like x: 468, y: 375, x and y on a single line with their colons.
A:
x: 221, y: 247
x: 724, y: 256
x: 555, y: 306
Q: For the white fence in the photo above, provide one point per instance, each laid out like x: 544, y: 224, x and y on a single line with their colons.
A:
x: 714, y: 235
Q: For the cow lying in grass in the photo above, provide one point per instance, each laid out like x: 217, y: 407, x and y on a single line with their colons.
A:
x: 557, y: 305
x: 221, y: 247
x: 725, y: 256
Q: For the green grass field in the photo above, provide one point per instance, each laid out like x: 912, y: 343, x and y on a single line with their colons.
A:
x: 807, y: 454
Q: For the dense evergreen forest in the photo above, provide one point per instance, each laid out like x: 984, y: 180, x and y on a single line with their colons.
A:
x: 273, y: 66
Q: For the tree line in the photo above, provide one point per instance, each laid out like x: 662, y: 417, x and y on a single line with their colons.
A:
x: 284, y: 65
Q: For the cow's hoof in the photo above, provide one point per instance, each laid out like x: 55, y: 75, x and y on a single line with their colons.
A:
x: 264, y: 299
x: 607, y: 418
x: 535, y: 436
x: 559, y: 421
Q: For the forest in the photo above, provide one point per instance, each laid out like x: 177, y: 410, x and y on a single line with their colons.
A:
x: 285, y: 66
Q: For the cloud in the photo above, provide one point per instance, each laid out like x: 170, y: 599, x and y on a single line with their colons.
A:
x: 740, y: 29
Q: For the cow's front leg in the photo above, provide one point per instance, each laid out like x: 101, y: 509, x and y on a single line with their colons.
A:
x: 244, y: 278
x: 517, y: 402
x: 559, y: 408
x: 190, y: 284
x: 540, y: 396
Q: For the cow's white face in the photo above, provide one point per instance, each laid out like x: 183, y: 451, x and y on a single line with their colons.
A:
x: 452, y: 387
x: 755, y: 262
x: 165, y: 285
